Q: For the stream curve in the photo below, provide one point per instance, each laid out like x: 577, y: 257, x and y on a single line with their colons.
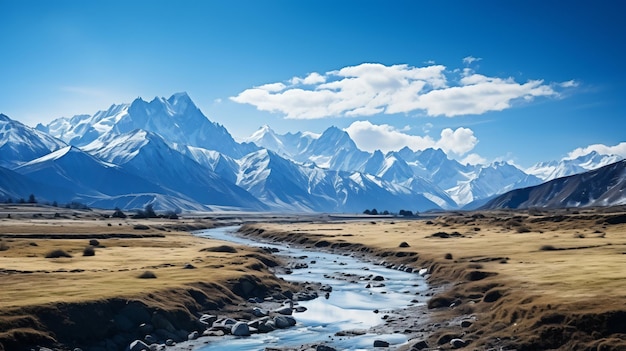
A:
x: 357, y: 301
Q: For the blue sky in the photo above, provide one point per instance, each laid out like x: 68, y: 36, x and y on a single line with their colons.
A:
x: 524, y: 81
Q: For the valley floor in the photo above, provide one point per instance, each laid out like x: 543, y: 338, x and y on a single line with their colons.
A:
x: 532, y: 280
x: 523, y: 280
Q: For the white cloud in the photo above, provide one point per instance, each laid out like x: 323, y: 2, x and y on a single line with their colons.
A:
x: 619, y: 149
x: 427, y: 127
x: 371, y: 137
x: 474, y: 159
x: 569, y: 84
x: 372, y: 88
x: 471, y: 59
x: 272, y: 87
x: 459, y: 141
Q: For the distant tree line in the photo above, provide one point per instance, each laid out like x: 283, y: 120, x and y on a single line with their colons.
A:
x: 402, y: 213
x: 33, y: 200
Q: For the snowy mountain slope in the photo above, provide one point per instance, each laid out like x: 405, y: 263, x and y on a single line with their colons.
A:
x: 288, y: 186
x: 393, y: 169
x: 569, y: 166
x: 72, y: 168
x: 147, y: 155
x: 491, y: 180
x: 20, y: 143
x: 605, y: 186
x: 167, y: 153
x: 177, y: 119
x: 276, y: 182
x: 221, y: 164
x: 15, y: 186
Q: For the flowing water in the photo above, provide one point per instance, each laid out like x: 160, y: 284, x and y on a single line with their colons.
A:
x: 350, y: 306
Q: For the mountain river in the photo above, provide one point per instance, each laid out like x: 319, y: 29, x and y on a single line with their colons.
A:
x: 350, y: 306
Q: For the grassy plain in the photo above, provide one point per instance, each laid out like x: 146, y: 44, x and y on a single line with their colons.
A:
x: 191, y: 273
x: 527, y: 281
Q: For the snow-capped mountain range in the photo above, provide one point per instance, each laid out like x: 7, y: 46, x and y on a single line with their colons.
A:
x: 167, y: 153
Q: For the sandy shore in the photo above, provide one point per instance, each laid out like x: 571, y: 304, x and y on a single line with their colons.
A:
x: 508, y: 280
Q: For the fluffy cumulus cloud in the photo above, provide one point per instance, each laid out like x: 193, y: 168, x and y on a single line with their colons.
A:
x: 372, y: 88
x: 619, y: 149
x: 371, y: 137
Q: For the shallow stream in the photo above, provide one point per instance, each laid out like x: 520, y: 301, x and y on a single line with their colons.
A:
x: 350, y: 306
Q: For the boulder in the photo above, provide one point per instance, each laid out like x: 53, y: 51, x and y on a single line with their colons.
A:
x: 150, y: 339
x: 193, y: 335
x: 240, y: 329
x: 170, y: 342
x: 285, y: 310
x: 324, y: 348
x: 257, y: 312
x: 283, y: 322
x: 138, y: 345
x: 207, y: 319
x: 457, y: 343
x: 380, y: 343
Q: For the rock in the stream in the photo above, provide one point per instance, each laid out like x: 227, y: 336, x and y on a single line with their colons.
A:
x: 380, y: 343
x: 300, y: 309
x: 193, y: 335
x: 240, y: 329
x: 170, y: 342
x: 324, y: 348
x: 286, y: 310
x: 283, y: 322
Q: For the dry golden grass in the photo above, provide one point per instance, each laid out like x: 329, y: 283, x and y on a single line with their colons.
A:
x: 580, y: 278
x: 28, y: 278
x: 32, y: 286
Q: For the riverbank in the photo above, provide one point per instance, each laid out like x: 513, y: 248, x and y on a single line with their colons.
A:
x: 508, y: 280
x: 75, y: 278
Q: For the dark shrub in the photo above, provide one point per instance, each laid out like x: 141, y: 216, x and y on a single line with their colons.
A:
x: 57, y: 254
x: 89, y: 251
x: 147, y: 275
x: 141, y: 227
x: 548, y: 248
x: 448, y: 256
x: 94, y: 242
x: 221, y: 248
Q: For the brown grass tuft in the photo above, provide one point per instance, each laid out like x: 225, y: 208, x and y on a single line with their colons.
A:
x: 58, y: 254
x: 147, y: 275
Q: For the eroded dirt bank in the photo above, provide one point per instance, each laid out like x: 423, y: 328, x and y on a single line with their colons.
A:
x: 508, y: 280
